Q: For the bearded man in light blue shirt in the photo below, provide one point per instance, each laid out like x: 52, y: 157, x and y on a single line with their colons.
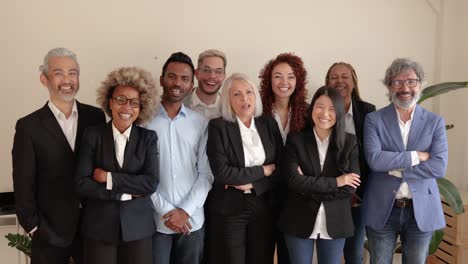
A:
x: 185, y: 174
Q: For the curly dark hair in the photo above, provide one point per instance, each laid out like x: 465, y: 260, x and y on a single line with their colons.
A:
x: 297, y: 101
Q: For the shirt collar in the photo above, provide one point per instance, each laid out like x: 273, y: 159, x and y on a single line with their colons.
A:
x: 125, y: 134
x: 162, y: 111
x: 245, y: 129
x: 58, y: 114
x: 399, y: 117
x: 197, y: 101
x: 319, y: 142
x: 350, y: 110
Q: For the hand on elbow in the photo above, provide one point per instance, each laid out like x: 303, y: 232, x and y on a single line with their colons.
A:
x: 423, y: 156
x: 268, y: 169
x: 350, y: 179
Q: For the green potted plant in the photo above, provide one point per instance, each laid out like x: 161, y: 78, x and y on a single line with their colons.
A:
x: 447, y: 189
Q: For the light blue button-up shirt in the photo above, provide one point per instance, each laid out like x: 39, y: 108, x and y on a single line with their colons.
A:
x: 185, y: 176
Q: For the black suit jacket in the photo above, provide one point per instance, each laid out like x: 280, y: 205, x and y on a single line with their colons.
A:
x: 306, y: 192
x: 360, y: 110
x: 226, y: 156
x: 43, y: 169
x: 104, y: 213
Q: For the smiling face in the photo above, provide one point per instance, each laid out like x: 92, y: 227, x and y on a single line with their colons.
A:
x: 61, y: 79
x: 323, y: 115
x: 341, y: 78
x: 124, y: 115
x: 405, y: 97
x: 210, y: 75
x: 177, y: 82
x: 283, y: 80
x: 242, y: 99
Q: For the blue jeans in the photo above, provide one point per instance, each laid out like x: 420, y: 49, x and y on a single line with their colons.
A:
x: 354, y: 246
x: 301, y: 250
x: 178, y: 249
x: 414, y: 242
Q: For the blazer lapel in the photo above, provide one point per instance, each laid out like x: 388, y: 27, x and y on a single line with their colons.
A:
x: 108, y: 150
x: 263, y: 133
x: 357, y: 117
x: 130, y: 149
x: 417, y: 125
x: 391, y: 122
x: 312, y: 151
x: 80, y: 126
x: 233, y: 132
x: 52, y: 126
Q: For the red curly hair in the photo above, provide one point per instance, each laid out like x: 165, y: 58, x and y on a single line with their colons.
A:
x: 297, y: 101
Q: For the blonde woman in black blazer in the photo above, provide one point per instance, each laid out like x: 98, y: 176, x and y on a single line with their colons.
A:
x: 243, y: 149
x: 317, y: 209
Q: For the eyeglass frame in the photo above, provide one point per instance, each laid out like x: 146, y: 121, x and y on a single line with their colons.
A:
x: 127, y: 100
x: 397, y: 84
x: 207, y: 70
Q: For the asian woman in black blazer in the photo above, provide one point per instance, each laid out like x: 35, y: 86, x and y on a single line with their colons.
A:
x: 243, y: 149
x: 118, y: 171
x: 321, y: 166
x: 343, y: 77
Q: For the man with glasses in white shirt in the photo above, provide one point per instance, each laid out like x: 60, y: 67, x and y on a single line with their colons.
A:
x: 210, y: 74
x: 407, y: 151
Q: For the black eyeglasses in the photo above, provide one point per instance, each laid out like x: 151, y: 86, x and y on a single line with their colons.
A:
x: 122, y: 100
x: 411, y: 83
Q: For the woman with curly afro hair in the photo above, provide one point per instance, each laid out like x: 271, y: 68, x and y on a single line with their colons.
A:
x: 118, y: 170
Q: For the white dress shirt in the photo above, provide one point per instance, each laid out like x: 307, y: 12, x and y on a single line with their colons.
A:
x: 320, y: 226
x: 404, y: 190
x: 283, y: 130
x: 254, y: 153
x: 195, y: 103
x: 120, y: 142
x: 68, y: 125
x: 349, y: 121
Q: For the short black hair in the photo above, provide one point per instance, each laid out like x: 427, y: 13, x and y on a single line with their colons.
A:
x: 179, y: 57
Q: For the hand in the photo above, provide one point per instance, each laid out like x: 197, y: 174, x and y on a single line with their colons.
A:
x: 268, y: 169
x: 100, y: 175
x: 244, y: 187
x: 299, y: 170
x: 350, y: 179
x: 423, y: 156
x: 177, y: 221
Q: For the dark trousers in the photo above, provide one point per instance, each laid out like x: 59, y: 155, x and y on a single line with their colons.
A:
x: 178, y: 249
x: 45, y: 253
x: 354, y: 246
x: 248, y: 236
x: 131, y: 252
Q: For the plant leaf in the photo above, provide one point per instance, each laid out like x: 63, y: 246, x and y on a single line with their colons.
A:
x: 435, y: 241
x: 451, y: 195
x: 20, y: 242
x: 441, y: 88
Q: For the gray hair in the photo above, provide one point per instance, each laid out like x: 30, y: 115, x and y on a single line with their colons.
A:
x: 225, y: 104
x: 400, y: 65
x: 212, y: 53
x: 136, y: 78
x: 57, y: 52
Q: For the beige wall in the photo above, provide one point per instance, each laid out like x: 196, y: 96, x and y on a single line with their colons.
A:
x: 111, y: 33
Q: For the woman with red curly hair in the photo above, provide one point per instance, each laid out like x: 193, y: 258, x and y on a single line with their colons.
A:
x: 283, y: 92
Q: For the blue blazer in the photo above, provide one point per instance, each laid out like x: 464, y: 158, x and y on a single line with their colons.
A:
x: 384, y: 151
